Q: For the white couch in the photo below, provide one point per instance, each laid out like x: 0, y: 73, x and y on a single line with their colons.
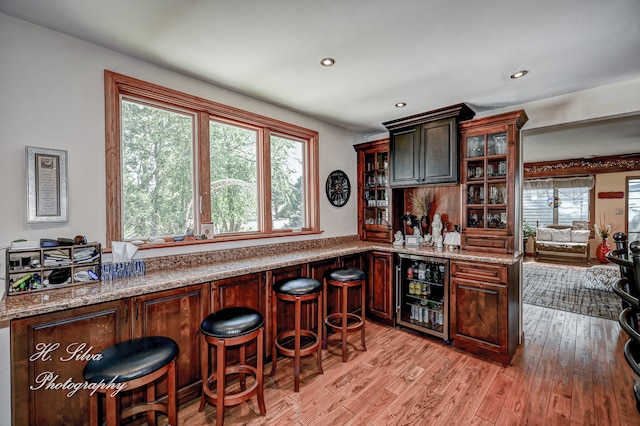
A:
x: 562, y: 243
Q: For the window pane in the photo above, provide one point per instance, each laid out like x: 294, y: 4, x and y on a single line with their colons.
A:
x: 157, y: 172
x: 573, y: 205
x: 287, y: 183
x: 633, y: 213
x: 535, y: 206
x: 555, y: 206
x: 234, y: 178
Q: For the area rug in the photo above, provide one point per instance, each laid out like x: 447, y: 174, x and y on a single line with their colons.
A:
x: 568, y: 289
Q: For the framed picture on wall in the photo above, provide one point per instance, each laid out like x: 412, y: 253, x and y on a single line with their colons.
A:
x: 47, y: 189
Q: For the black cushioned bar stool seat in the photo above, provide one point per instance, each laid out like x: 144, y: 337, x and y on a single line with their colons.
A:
x: 345, y: 321
x: 230, y: 327
x: 135, y: 363
x: 298, y: 291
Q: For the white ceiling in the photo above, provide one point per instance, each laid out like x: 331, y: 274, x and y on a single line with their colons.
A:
x: 428, y: 53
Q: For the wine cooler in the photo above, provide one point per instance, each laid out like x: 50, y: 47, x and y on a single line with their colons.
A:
x: 422, y: 294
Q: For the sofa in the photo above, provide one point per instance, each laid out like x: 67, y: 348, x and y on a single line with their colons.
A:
x: 563, y: 243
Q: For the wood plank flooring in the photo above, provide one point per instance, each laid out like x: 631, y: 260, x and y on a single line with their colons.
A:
x: 570, y: 371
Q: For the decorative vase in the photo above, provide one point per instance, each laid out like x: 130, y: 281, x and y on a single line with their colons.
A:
x: 602, y: 250
x: 424, y: 225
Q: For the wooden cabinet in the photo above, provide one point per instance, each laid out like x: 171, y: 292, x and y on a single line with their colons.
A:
x: 375, y: 220
x: 49, y: 350
x: 490, y: 166
x: 246, y: 290
x: 424, y: 147
x: 286, y: 312
x: 176, y: 314
x: 380, y: 286
x: 485, y: 309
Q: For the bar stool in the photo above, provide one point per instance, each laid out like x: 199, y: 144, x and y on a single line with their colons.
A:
x: 134, y: 363
x: 344, y: 321
x: 229, y: 327
x: 299, y: 291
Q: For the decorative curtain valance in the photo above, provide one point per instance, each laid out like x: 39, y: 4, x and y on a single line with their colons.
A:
x: 555, y: 183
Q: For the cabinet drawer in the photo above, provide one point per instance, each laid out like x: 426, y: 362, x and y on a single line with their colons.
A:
x: 377, y: 235
x: 491, y: 243
x: 480, y: 271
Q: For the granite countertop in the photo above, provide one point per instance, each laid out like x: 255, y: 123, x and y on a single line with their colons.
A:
x: 47, y: 301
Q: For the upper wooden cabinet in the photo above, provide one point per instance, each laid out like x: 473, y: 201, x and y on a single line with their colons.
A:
x: 424, y: 147
x: 490, y: 156
x: 374, y: 195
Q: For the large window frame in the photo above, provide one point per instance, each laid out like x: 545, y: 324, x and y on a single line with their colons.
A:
x: 118, y: 86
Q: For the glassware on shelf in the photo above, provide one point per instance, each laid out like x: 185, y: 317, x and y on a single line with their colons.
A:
x: 503, y: 194
x: 475, y: 147
x: 502, y: 168
x: 493, y: 194
x: 500, y: 143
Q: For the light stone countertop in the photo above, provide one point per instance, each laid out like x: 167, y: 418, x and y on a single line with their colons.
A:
x: 52, y: 300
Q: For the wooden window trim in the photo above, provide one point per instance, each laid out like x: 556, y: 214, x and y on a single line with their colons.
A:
x: 117, y: 85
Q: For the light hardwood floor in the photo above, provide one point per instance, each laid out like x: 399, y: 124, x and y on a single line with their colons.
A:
x: 570, y: 371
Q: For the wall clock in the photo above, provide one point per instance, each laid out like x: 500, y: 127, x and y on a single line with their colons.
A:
x: 338, y: 188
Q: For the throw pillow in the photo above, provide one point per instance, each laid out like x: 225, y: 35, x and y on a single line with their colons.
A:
x: 543, y: 234
x: 580, y: 235
x: 561, y: 235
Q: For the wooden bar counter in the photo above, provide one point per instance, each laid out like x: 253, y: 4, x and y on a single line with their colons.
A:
x: 54, y: 332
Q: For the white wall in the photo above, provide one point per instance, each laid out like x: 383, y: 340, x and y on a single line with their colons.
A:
x: 52, y: 96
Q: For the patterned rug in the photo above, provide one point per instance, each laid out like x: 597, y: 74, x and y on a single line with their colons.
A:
x: 568, y: 289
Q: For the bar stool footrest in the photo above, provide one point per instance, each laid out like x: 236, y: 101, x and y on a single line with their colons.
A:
x: 354, y: 326
x: 309, y: 349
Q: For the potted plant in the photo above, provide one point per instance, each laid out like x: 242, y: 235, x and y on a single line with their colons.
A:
x: 528, y: 231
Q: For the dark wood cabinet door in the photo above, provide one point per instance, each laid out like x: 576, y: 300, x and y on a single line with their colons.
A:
x: 404, y: 156
x: 484, y: 309
x: 176, y: 314
x: 380, y: 286
x: 479, y: 313
x: 246, y: 290
x: 285, y: 310
x: 424, y: 147
x: 86, y: 330
x: 439, y: 151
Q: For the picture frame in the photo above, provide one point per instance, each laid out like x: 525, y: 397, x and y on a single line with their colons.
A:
x: 206, y: 229
x: 47, y: 185
x: 411, y: 240
x: 581, y: 224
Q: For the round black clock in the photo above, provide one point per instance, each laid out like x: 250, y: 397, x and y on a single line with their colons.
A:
x: 338, y: 188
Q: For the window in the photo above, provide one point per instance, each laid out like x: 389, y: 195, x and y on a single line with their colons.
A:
x: 287, y: 183
x: 557, y: 201
x: 157, y: 170
x: 175, y: 161
x: 633, y: 209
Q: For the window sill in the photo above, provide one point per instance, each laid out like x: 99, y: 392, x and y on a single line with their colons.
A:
x: 217, y: 239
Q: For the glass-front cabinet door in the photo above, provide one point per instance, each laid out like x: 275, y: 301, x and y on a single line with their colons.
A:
x: 422, y: 294
x: 374, y: 193
x: 490, y: 149
x: 486, y: 164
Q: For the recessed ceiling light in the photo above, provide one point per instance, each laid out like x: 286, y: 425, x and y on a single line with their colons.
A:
x: 327, y: 62
x: 519, y: 74
x: 401, y: 104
